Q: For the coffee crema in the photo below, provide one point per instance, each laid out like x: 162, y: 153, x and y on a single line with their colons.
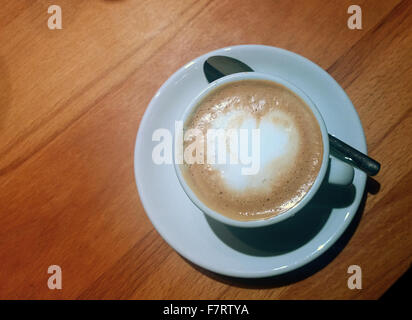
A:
x: 291, y: 150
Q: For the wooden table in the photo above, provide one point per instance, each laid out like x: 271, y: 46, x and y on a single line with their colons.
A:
x: 71, y: 101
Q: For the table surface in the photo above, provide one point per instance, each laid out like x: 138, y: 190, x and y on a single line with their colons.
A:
x: 71, y: 101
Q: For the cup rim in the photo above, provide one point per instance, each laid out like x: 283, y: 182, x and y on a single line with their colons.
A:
x: 314, y: 188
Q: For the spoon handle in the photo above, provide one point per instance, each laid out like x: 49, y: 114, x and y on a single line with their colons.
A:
x: 354, y: 157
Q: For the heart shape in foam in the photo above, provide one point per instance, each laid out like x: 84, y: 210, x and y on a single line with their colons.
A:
x: 278, y: 143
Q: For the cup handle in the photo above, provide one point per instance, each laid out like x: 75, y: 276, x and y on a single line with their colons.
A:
x: 340, y: 173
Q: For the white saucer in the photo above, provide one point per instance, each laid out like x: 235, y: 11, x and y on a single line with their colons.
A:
x: 247, y: 253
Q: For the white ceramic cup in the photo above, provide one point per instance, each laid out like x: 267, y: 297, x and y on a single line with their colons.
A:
x: 340, y: 173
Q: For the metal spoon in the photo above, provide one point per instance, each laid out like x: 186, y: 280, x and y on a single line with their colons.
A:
x: 216, y: 67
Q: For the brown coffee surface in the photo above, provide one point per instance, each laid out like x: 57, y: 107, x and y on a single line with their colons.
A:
x: 282, y: 182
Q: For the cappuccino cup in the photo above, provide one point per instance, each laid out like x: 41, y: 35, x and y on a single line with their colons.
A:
x: 275, y: 150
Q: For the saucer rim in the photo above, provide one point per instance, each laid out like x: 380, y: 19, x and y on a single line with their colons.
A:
x: 275, y: 271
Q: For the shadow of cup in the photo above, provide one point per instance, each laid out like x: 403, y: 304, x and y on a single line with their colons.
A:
x: 290, y: 234
x: 261, y: 242
x: 287, y: 236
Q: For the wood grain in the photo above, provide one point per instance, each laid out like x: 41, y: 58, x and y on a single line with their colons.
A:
x: 71, y: 101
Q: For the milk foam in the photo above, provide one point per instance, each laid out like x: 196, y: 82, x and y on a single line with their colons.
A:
x: 279, y: 142
x: 290, y: 150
